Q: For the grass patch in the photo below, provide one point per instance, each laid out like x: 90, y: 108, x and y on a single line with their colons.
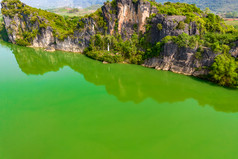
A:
x: 71, y: 12
x: 233, y: 23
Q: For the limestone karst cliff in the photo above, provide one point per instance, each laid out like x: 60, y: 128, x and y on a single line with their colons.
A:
x: 129, y: 17
x: 23, y: 22
x: 122, y: 16
x: 175, y: 36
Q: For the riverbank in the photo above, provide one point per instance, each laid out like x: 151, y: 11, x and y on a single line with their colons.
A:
x: 175, y: 37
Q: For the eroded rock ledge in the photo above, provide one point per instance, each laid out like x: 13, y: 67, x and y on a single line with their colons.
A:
x: 182, y: 60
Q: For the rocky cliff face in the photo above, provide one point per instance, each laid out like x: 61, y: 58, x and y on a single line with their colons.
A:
x: 124, y: 17
x: 21, y: 23
x: 234, y: 50
x: 127, y: 17
x: 182, y: 60
x: 170, y: 27
x: 130, y: 17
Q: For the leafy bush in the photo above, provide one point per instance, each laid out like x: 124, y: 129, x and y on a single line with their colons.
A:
x: 119, y: 50
x: 198, y: 55
x: 22, y: 42
x: 220, y: 42
x: 159, y: 26
x: 3, y: 31
x: 105, y: 56
x: 176, y: 8
x: 181, y: 25
x: 224, y: 70
x: 135, y: 26
x: 183, y: 40
x: 134, y: 1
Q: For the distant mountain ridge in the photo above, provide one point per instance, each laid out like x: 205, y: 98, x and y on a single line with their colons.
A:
x: 214, y: 5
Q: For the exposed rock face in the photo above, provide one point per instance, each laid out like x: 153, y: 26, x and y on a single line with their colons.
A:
x: 132, y: 17
x: 182, y: 60
x: 170, y: 27
x: 234, y: 50
x: 124, y: 17
x: 45, y: 39
x: 127, y: 17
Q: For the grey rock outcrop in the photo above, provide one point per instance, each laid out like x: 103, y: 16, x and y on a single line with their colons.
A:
x: 45, y: 38
x: 234, y: 50
x: 170, y: 27
x: 127, y: 17
x: 182, y: 60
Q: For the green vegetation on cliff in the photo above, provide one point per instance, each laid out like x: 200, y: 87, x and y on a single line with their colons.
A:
x: 169, y: 8
x: 214, y: 33
x: 211, y: 33
x: 224, y: 70
x: 207, y: 22
x: 3, y: 32
x: 113, y: 49
x: 62, y: 26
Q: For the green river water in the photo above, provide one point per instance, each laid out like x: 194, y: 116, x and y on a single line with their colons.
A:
x: 66, y: 106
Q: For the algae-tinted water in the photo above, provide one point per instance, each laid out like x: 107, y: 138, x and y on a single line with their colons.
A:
x: 67, y: 106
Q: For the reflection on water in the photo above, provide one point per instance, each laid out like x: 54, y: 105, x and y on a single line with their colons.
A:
x: 128, y: 82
